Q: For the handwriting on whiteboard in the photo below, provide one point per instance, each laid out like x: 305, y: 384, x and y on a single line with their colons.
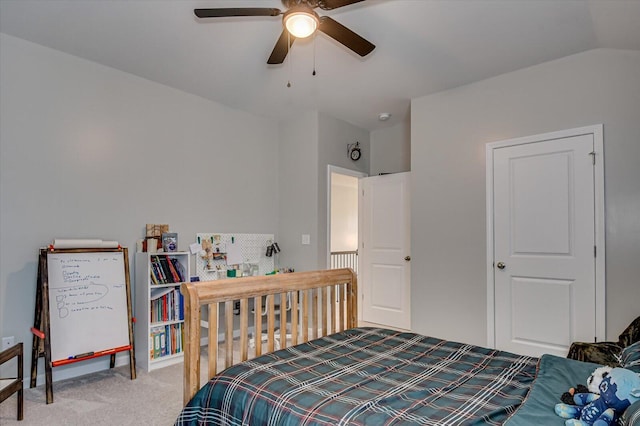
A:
x: 84, y: 297
x: 80, y: 287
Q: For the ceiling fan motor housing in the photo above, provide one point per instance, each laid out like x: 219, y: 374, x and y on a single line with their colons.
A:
x: 322, y: 4
x: 295, y: 3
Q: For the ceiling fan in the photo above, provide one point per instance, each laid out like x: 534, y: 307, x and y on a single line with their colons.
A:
x: 299, y: 21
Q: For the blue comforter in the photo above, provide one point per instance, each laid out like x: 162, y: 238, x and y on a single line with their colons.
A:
x: 371, y: 376
x: 555, y: 375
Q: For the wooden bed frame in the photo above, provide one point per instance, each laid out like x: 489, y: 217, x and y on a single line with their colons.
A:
x: 325, y: 303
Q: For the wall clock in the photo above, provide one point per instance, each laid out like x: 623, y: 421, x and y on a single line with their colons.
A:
x: 354, y: 151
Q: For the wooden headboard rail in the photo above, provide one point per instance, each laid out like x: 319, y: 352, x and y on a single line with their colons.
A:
x: 314, y: 295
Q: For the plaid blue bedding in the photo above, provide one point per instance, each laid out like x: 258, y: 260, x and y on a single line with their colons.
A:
x: 367, y: 376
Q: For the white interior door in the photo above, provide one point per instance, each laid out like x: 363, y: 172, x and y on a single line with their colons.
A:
x: 385, y: 271
x: 544, y: 236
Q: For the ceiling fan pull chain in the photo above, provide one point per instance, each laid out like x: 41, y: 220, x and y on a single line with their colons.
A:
x: 314, y: 56
x: 289, y: 64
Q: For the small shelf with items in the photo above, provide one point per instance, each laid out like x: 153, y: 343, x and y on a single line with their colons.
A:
x: 159, y: 308
x: 226, y: 255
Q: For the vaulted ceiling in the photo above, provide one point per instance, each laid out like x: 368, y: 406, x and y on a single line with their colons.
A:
x: 422, y: 47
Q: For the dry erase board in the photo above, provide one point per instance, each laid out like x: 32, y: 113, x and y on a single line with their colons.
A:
x: 87, y: 303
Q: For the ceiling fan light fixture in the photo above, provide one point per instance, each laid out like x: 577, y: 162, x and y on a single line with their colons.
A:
x: 301, y: 22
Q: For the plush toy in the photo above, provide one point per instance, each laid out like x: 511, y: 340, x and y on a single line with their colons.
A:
x: 619, y: 389
x: 598, y: 375
x: 567, y: 397
x: 574, y: 397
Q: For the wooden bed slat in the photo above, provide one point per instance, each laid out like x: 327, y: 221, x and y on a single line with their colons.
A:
x: 332, y: 308
x: 341, y: 325
x: 324, y: 310
x: 271, y: 323
x: 213, y: 337
x: 257, y: 336
x: 352, y: 308
x: 244, y: 327
x: 314, y: 313
x: 228, y: 333
x: 295, y: 315
x: 310, y: 308
x: 305, y: 316
x: 283, y: 320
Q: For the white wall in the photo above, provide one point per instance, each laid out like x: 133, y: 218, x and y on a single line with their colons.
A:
x: 391, y: 148
x: 298, y: 189
x: 448, y: 137
x: 88, y: 151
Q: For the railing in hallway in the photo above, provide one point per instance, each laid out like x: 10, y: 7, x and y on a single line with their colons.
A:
x: 345, y: 259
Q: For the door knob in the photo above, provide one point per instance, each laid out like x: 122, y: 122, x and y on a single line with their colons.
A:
x: 501, y: 265
x: 407, y: 258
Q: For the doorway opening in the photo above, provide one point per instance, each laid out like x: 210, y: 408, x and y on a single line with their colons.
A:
x: 342, y: 218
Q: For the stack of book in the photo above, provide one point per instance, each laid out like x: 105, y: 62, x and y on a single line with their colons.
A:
x: 166, y: 270
x: 167, y: 304
x: 166, y: 340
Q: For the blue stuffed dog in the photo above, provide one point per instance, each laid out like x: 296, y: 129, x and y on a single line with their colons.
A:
x: 618, y: 390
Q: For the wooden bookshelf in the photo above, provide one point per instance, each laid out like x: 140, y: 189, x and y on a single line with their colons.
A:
x: 159, y: 310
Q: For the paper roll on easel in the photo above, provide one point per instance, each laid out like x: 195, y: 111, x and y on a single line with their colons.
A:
x: 83, y: 243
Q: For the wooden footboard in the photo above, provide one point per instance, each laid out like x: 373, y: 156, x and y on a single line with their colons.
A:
x: 312, y: 304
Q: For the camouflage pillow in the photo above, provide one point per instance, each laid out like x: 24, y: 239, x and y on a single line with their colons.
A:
x: 630, y: 357
x: 605, y: 353
x: 631, y: 334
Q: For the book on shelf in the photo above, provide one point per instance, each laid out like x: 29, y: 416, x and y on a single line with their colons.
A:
x: 175, y: 338
x: 156, y: 343
x: 157, y: 269
x: 172, y: 270
x: 181, y: 310
x: 154, y: 279
x: 151, y: 345
x: 162, y: 261
x: 179, y: 269
x: 176, y: 305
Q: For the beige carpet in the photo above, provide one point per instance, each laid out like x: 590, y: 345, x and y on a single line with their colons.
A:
x: 108, y: 397
x: 103, y: 398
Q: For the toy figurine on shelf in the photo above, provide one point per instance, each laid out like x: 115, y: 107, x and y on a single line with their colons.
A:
x: 207, y: 254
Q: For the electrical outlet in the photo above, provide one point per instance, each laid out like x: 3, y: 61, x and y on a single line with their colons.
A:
x: 7, y: 342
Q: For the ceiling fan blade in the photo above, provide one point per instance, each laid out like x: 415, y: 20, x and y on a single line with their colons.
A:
x: 281, y: 49
x: 344, y: 35
x: 236, y: 11
x: 334, y: 4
